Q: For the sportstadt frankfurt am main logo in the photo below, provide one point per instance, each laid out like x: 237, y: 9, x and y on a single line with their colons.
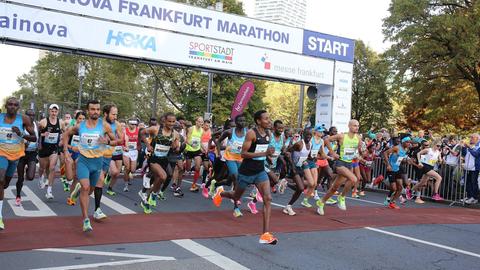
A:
x: 266, y: 61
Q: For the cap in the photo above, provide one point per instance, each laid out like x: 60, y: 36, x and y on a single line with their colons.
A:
x: 54, y: 106
x: 406, y: 139
x: 319, y: 128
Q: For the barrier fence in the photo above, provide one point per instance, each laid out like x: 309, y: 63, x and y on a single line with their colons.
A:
x: 452, y: 188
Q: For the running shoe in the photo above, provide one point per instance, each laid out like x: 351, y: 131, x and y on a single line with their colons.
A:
x: 98, y: 214
x: 282, y: 186
x: 239, y: 202
x: 42, y: 183
x: 331, y: 201
x: 111, y: 192
x: 87, y: 227
x: 161, y: 195
x: 315, y: 196
x: 153, y: 199
x: 178, y: 192
x: 18, y: 201
x: 258, y: 196
x: 66, y: 186
x: 386, y: 202
x: 107, y: 179
x: 125, y: 189
x: 268, y: 238
x: 355, y: 195
x: 2, y: 225
x: 320, y: 206
x: 392, y: 205
x: 341, y: 203
x: 173, y: 187
x: 146, y: 207
x: 204, y: 191
x: 289, y: 211
x: 76, y: 192
x: 402, y: 199
x: 217, y: 198
x: 211, y: 191
x: 378, y: 180
x: 408, y: 193
x: 419, y: 200
x: 361, y: 193
x: 49, y: 195
x: 194, y: 188
x: 252, y: 207
x: 437, y: 197
x: 143, y: 195
x: 237, y: 213
x: 70, y: 201
x: 305, y: 203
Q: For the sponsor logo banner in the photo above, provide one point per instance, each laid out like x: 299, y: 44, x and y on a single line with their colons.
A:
x: 244, y: 95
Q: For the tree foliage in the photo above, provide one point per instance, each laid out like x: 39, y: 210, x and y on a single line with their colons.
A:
x: 282, y: 100
x: 436, y: 60
x: 371, y: 104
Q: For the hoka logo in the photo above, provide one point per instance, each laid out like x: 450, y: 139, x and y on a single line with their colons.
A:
x: 130, y: 40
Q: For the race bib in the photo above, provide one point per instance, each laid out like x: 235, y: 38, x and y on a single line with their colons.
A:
x: 423, y: 159
x: 276, y: 154
x: 314, y: 153
x: 260, y: 148
x: 161, y: 150
x: 75, y: 140
x: 300, y: 162
x: 195, y: 142
x: 132, y: 146
x: 237, y: 147
x: 368, y: 163
x: 349, y: 153
x: 118, y: 150
x: 399, y: 161
x: 8, y: 136
x: 52, y: 138
x: 90, y: 141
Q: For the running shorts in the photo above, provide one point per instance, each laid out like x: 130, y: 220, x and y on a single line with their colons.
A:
x: 10, y: 166
x: 245, y: 180
x: 89, y: 168
x: 131, y: 154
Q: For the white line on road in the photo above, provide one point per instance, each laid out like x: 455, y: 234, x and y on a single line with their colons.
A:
x: 95, y: 265
x: 115, y: 206
x: 42, y: 208
x: 209, y: 255
x: 105, y: 253
x: 424, y: 242
x: 360, y: 200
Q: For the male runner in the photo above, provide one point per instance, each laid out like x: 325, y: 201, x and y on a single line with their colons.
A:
x: 130, y: 151
x: 92, y: 145
x: 255, y: 150
x: 394, y: 157
x: 193, y: 150
x: 12, y: 146
x: 349, y: 144
x: 50, y: 130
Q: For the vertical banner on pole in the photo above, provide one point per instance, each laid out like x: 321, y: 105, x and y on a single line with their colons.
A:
x: 243, y: 97
x: 323, y: 112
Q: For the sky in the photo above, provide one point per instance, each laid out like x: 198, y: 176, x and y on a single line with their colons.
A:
x: 356, y: 19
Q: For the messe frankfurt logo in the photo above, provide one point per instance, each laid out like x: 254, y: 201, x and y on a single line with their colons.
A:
x: 266, y: 61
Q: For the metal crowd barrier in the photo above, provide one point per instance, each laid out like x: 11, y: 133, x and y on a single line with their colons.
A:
x: 452, y: 188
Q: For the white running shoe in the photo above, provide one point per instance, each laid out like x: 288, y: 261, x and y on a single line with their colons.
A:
x: 125, y: 189
x: 98, y: 214
x: 143, y: 196
x: 289, y: 211
x: 42, y: 183
x: 49, y: 195
x: 316, y: 197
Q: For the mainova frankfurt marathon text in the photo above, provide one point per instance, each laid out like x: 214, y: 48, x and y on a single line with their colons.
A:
x: 179, y: 17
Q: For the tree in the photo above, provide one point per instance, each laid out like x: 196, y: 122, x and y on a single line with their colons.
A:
x: 435, y: 54
x: 371, y: 104
x: 282, y: 101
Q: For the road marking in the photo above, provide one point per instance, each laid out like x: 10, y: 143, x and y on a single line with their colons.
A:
x: 360, y: 200
x: 95, y: 265
x: 140, y: 258
x: 114, y: 205
x: 424, y: 242
x: 105, y: 253
x: 209, y: 255
x: 42, y: 209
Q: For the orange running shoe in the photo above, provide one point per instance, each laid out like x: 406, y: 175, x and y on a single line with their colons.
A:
x: 70, y: 201
x: 378, y: 180
x: 392, y: 205
x: 217, y: 198
x: 268, y: 238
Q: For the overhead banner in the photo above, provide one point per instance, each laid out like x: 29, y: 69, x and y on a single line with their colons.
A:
x: 45, y: 27
x: 244, y: 95
x: 194, y: 21
x: 342, y: 96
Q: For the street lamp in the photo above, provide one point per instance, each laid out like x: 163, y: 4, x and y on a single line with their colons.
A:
x: 81, y: 76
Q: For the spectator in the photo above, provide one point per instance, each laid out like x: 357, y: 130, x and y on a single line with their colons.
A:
x: 471, y: 153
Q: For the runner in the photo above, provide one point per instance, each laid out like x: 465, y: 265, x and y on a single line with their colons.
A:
x: 205, y: 148
x: 12, y: 146
x: 428, y: 158
x: 252, y: 171
x: 29, y: 160
x: 164, y: 139
x: 67, y: 120
x: 91, y: 147
x: 349, y: 143
x: 50, y: 131
x: 232, y: 155
x: 394, y: 157
x: 176, y: 155
x: 71, y: 161
x: 193, y: 151
x: 110, y: 113
x: 130, y: 151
